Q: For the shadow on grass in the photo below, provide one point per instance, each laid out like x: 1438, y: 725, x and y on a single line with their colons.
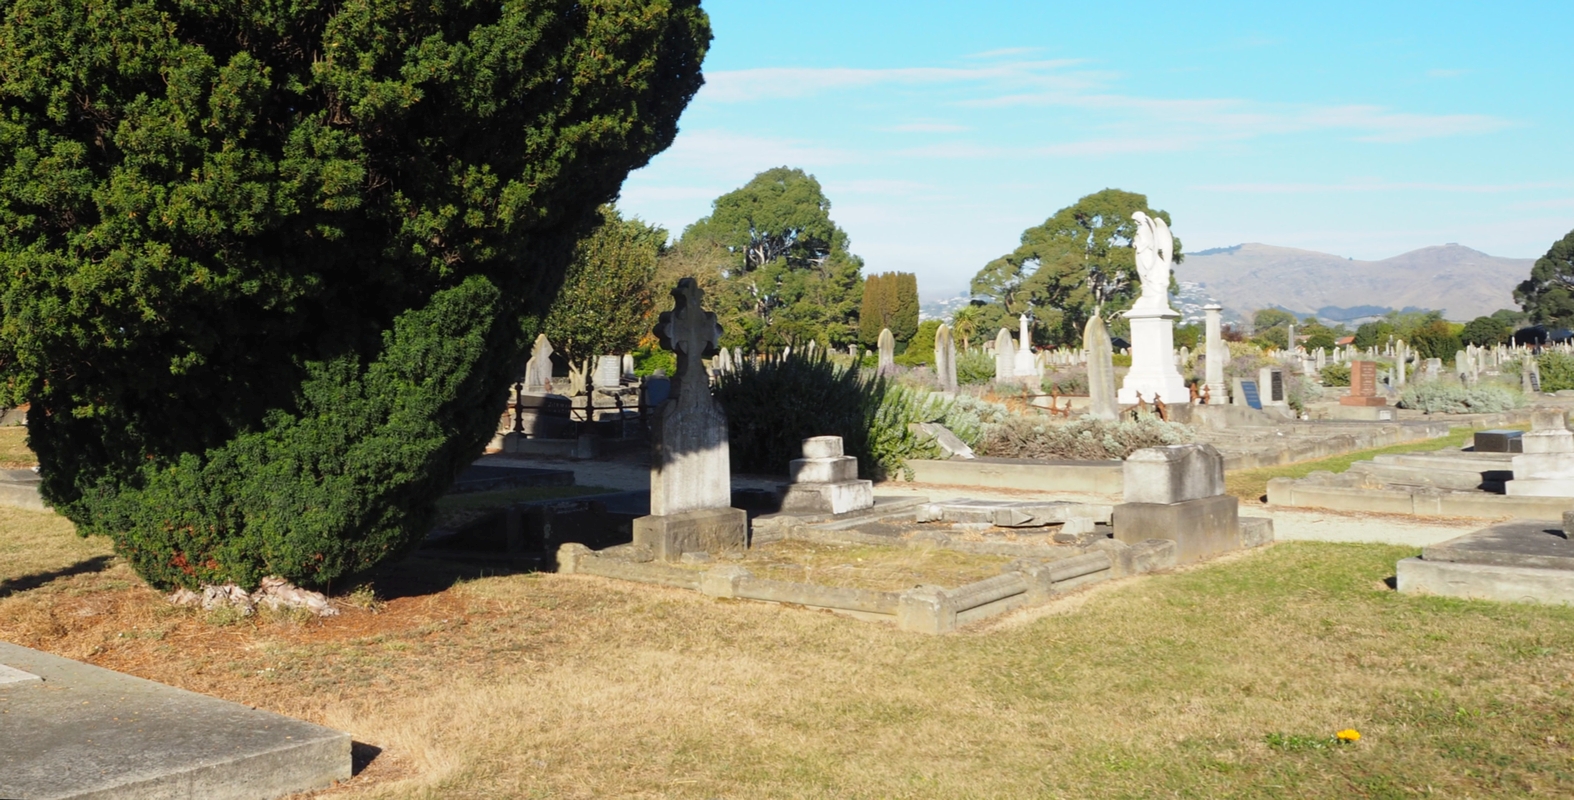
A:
x: 362, y: 755
x: 426, y: 573
x: 37, y: 579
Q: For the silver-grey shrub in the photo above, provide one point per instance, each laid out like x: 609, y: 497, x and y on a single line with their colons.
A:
x: 1440, y: 397
x: 1082, y: 439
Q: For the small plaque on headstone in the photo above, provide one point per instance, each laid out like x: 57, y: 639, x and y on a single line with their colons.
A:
x: 1276, y: 387
x: 1253, y: 399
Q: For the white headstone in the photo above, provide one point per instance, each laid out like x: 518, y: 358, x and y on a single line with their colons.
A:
x: 887, y: 351
x: 538, y: 370
x: 1005, y: 357
x: 1153, y: 373
x: 945, y: 358
x: 1217, y: 354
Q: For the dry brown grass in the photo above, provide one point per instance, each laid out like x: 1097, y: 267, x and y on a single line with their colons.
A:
x: 1222, y: 681
x: 13, y: 448
x: 868, y: 567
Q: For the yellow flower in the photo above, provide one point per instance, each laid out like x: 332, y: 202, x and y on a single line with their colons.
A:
x: 1349, y: 735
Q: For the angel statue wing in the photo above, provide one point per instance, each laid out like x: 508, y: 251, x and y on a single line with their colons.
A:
x: 1164, y: 243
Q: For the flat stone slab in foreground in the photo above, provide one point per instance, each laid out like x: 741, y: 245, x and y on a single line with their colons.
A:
x: 1522, y: 561
x: 80, y: 731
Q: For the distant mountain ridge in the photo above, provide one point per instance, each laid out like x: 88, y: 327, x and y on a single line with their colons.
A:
x: 1461, y: 282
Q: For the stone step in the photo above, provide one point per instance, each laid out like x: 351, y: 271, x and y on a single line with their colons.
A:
x: 1443, y: 478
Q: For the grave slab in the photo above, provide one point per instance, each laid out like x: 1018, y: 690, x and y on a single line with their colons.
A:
x: 80, y: 731
x: 1522, y: 543
x: 1485, y: 582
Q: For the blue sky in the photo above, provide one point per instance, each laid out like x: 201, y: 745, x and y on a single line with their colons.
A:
x: 941, y: 130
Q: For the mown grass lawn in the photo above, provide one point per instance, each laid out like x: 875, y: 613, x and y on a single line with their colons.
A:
x: 1227, y: 680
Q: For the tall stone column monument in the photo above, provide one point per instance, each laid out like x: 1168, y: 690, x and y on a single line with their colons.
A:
x: 1217, y: 354
x: 690, y: 477
x: 1153, y: 373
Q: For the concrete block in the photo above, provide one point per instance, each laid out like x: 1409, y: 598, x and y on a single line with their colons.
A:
x: 925, y: 609
x: 1548, y: 419
x: 569, y: 557
x: 1542, y: 487
x: 1485, y: 581
x: 1256, y: 531
x: 87, y: 732
x: 712, y: 530
x: 1153, y: 554
x: 828, y: 498
x: 1526, y: 543
x: 823, y: 470
x: 822, y: 447
x: 1200, y: 528
x: 1547, y: 441
x: 1095, y: 477
x: 1173, y: 474
x: 723, y: 581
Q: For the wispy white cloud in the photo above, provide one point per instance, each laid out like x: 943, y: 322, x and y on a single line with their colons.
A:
x: 1373, y: 186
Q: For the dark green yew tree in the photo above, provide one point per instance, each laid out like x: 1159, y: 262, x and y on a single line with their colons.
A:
x: 1548, y: 294
x: 268, y: 266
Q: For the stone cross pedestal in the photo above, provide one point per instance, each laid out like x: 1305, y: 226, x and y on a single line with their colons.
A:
x: 1546, y: 468
x: 690, y: 476
x: 825, y: 480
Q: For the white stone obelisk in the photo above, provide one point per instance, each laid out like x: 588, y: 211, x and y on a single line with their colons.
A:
x: 1024, y: 365
x: 1153, y: 373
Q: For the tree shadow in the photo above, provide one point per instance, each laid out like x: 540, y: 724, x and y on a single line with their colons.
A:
x: 37, y: 579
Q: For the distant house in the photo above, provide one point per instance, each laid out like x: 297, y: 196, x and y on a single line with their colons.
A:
x: 1345, y: 342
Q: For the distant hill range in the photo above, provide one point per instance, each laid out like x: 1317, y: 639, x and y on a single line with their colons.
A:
x: 1461, y: 282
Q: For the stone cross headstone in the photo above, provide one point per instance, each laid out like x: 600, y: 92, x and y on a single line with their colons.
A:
x: 1101, y: 370
x: 1005, y: 357
x: 1217, y: 354
x: 945, y: 358
x: 538, y: 370
x: 690, y: 476
x: 887, y: 351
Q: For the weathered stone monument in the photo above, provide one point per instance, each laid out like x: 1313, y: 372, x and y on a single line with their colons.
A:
x: 1025, y: 364
x: 1363, y: 386
x: 1177, y: 493
x: 945, y: 358
x: 887, y: 344
x: 609, y: 372
x: 690, y: 476
x: 538, y: 370
x: 825, y: 480
x: 1270, y: 383
x: 1545, y: 468
x: 1005, y: 357
x: 1101, y: 370
x: 1217, y: 354
x: 1153, y: 372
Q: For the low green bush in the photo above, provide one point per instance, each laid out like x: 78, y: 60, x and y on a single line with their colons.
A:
x: 1336, y: 375
x: 1121, y: 360
x: 1083, y: 439
x: 974, y: 367
x: 773, y: 405
x: 1440, y: 397
x: 1557, y: 371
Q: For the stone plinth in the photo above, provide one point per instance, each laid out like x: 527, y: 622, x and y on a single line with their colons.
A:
x: 1522, y: 561
x: 711, y: 530
x: 1200, y: 528
x: 1153, y: 373
x: 825, y: 481
x: 1217, y: 354
x: 1173, y: 474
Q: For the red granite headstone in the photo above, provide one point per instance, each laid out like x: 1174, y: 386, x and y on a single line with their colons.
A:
x: 1363, y: 386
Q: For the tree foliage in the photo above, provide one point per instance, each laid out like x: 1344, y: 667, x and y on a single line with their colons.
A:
x: 783, y: 270
x: 1485, y: 331
x: 1436, y: 339
x: 890, y: 300
x: 1271, y: 318
x: 268, y: 267
x: 1547, y: 296
x: 1075, y: 262
x: 605, y: 302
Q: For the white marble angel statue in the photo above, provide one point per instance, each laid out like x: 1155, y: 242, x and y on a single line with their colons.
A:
x: 1155, y: 252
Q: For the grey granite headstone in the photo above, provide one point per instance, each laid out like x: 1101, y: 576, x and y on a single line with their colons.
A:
x: 945, y: 358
